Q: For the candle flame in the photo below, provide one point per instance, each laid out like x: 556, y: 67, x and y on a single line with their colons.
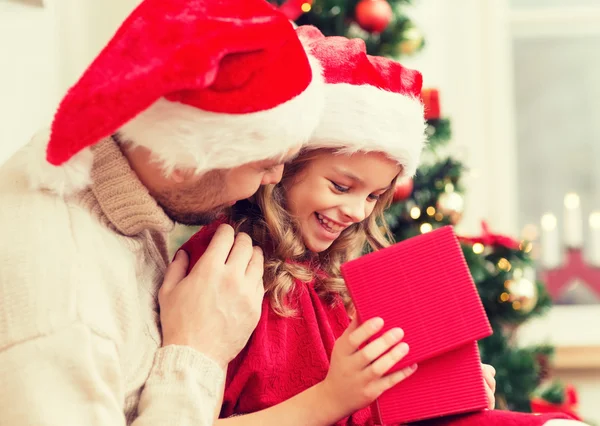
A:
x: 548, y: 222
x: 572, y: 200
x: 595, y: 220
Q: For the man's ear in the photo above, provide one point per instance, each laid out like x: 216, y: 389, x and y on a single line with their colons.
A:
x: 178, y: 176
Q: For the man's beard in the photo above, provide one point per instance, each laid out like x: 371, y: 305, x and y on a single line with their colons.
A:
x: 184, y: 207
x: 194, y: 219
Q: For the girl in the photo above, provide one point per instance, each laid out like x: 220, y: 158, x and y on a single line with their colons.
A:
x: 306, y: 363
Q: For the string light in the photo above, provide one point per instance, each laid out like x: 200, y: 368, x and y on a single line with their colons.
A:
x: 478, y: 248
x: 516, y: 305
x: 439, y: 217
x: 426, y: 227
x: 449, y: 187
x: 504, y: 297
x: 306, y: 7
x: 415, y: 212
x: 431, y: 211
x: 504, y: 264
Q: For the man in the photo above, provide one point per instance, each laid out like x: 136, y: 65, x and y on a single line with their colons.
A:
x: 191, y: 106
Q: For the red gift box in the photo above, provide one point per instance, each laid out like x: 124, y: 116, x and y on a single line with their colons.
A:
x: 423, y: 285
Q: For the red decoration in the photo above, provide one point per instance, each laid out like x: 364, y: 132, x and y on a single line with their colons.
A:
x: 431, y: 100
x: 403, y: 189
x: 569, y: 406
x: 489, y: 239
x: 373, y: 15
x: 293, y: 9
x: 575, y: 268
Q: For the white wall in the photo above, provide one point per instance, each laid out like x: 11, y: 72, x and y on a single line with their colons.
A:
x: 467, y: 58
x: 28, y: 73
x: 83, y: 28
x: 42, y: 53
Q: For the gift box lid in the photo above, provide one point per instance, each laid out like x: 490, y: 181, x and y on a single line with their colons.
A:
x: 422, y: 285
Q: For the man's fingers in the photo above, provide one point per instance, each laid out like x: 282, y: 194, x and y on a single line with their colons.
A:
x: 176, y: 271
x: 355, y: 338
x: 241, y: 252
x: 256, y: 265
x: 219, y: 247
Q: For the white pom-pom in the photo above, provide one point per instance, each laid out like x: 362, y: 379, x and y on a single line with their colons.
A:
x: 70, y: 177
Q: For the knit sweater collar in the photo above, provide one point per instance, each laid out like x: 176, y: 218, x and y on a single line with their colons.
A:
x: 124, y: 200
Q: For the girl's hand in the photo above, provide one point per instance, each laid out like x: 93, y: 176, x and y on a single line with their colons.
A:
x: 489, y: 373
x: 356, y: 376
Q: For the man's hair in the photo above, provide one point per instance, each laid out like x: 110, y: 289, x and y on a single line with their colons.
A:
x: 267, y: 220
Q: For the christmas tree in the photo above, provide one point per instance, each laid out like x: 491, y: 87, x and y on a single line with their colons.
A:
x: 502, y: 267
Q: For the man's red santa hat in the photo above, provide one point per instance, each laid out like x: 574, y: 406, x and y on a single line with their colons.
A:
x: 203, y: 84
x: 371, y: 103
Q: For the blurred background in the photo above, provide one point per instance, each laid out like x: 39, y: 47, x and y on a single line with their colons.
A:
x: 513, y: 93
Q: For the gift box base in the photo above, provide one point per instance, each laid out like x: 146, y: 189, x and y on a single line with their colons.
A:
x: 451, y: 383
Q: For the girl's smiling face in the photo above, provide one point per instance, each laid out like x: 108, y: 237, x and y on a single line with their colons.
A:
x: 334, y: 191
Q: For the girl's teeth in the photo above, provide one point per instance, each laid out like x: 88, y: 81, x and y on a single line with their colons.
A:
x: 328, y: 224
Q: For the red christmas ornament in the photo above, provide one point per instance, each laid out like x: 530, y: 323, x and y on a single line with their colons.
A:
x: 431, y: 101
x: 373, y: 15
x: 403, y: 189
x: 293, y: 9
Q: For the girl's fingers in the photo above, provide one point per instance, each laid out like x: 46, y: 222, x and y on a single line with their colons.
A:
x: 378, y: 347
x: 382, y: 365
x: 489, y: 373
x: 354, y: 336
x: 391, y: 380
x: 491, y: 398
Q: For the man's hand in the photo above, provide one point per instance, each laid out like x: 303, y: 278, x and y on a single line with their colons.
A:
x: 217, y: 306
x: 489, y: 373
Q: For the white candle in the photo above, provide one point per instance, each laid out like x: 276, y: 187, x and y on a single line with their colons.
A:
x: 550, y: 242
x: 594, y: 239
x: 573, y: 221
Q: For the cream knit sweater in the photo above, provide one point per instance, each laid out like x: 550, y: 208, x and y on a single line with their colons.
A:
x: 79, y: 332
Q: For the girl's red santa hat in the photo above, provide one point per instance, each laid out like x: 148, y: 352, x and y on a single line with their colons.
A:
x: 371, y: 103
x: 202, y: 84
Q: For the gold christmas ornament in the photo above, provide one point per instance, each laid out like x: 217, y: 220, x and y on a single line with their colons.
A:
x: 452, y: 205
x: 522, y: 293
x: 412, y: 41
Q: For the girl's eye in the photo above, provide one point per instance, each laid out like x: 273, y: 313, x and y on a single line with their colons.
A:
x: 339, y: 188
x: 374, y: 197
